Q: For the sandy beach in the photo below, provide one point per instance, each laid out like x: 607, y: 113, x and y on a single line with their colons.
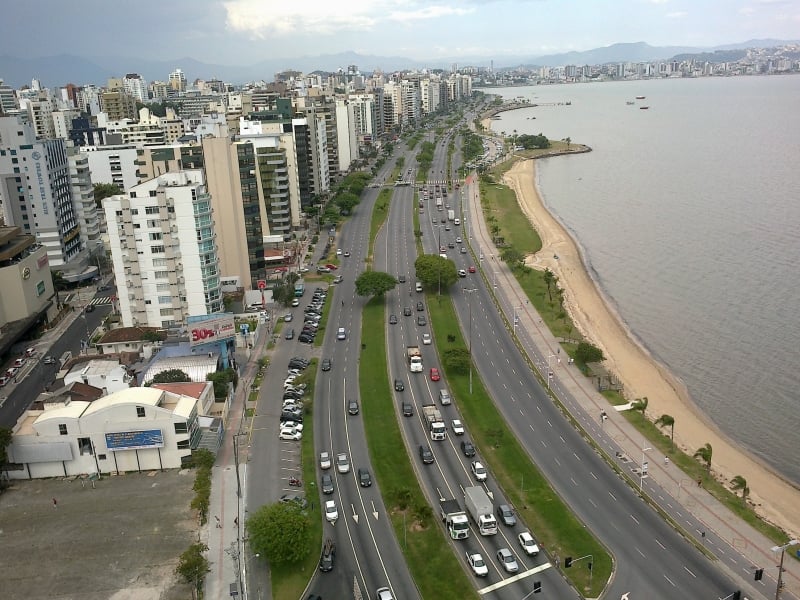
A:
x: 775, y: 499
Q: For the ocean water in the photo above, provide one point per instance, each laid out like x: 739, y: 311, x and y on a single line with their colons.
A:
x: 688, y: 215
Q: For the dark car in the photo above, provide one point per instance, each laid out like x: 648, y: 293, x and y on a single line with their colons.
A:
x: 327, y: 484
x: 422, y: 321
x: 407, y: 311
x: 352, y: 407
x: 392, y: 319
x: 506, y: 515
x: 402, y: 279
x: 90, y: 308
x: 292, y: 415
x: 294, y: 499
x: 326, y: 364
x: 306, y: 338
x: 364, y: 478
x: 327, y: 556
x: 467, y: 448
x: 398, y: 385
x: 408, y: 409
x: 425, y: 454
x: 420, y: 306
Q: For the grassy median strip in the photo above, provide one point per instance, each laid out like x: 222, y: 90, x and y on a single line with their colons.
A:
x: 430, y: 560
x: 550, y: 519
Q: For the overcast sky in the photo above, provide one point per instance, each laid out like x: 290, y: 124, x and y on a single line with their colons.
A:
x: 233, y: 32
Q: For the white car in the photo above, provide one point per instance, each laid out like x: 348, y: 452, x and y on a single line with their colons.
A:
x: 292, y: 425
x: 528, y: 544
x: 462, y: 273
x: 341, y: 334
x: 342, y: 463
x: 338, y: 252
x: 479, y: 471
x: 383, y: 593
x: 477, y: 564
x: 331, y: 513
x: 296, y: 302
x: 290, y: 435
x: 458, y: 428
x: 324, y: 460
x: 507, y: 560
x: 288, y: 317
x: 426, y: 338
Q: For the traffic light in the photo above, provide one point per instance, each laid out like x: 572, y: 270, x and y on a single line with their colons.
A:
x: 568, y: 562
x: 537, y: 587
x: 737, y: 595
x: 759, y: 574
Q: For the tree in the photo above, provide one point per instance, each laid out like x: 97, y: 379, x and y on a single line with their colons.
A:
x: 667, y: 421
x: 457, y: 360
x: 281, y: 532
x: 346, y: 201
x: 704, y: 454
x: 514, y: 258
x: 374, y: 283
x: 431, y: 269
x: 5, y: 442
x: 170, y: 376
x: 103, y: 191
x: 640, y: 404
x: 549, y: 279
x: 588, y: 353
x: 740, y: 483
x: 221, y: 380
x: 193, y: 566
x: 568, y: 140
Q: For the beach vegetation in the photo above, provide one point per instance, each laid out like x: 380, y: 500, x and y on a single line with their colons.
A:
x: 587, y: 353
x: 704, y: 454
x: 549, y: 280
x: 374, y: 283
x: 533, y: 142
x: 640, y: 405
x: 513, y: 258
x: 667, y: 421
x: 739, y: 483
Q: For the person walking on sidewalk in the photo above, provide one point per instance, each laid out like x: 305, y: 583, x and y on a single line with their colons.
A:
x: 219, y: 524
x: 55, y: 503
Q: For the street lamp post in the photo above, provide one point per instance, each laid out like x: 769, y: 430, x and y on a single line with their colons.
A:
x: 470, y: 291
x: 643, y: 469
x: 780, y: 566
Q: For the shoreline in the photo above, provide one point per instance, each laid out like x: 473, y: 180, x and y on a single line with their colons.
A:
x: 772, y: 496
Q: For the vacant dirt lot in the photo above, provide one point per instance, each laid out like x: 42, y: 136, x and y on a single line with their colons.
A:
x: 120, y: 540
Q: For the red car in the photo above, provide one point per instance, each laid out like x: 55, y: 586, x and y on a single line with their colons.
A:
x: 435, y: 374
x: 471, y: 269
x: 332, y: 267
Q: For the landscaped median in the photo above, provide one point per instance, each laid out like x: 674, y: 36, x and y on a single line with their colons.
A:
x: 550, y: 519
x: 432, y: 563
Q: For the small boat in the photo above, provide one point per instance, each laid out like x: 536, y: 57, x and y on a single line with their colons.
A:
x: 643, y: 107
x: 640, y: 97
x: 629, y: 102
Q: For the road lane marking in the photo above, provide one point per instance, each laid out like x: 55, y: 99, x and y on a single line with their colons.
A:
x: 639, y: 551
x: 685, y: 568
x: 515, y: 578
x: 634, y: 519
x: 670, y: 580
x: 663, y: 547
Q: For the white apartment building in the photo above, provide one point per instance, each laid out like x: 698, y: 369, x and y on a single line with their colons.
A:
x: 346, y: 136
x: 136, y: 86
x: 127, y: 132
x: 80, y: 180
x: 112, y: 164
x: 36, y: 194
x: 177, y: 81
x: 164, y: 250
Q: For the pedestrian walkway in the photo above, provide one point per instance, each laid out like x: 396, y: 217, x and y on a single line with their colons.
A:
x: 666, y: 484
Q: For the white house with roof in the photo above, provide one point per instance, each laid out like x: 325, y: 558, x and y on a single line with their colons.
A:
x: 106, y: 374
x: 135, y: 429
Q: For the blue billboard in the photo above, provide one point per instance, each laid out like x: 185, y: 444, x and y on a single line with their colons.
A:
x: 135, y: 440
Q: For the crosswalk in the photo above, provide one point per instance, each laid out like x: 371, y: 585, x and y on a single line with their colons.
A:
x: 100, y: 301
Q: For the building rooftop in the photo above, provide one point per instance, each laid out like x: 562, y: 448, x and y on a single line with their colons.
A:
x: 130, y: 334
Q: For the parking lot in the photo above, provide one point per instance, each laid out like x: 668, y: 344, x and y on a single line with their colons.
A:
x: 120, y: 540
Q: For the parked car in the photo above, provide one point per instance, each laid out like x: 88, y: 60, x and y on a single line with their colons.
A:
x: 290, y: 435
x: 295, y: 499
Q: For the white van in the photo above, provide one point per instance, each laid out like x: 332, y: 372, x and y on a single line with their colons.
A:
x: 418, y: 286
x: 456, y: 221
x: 444, y: 397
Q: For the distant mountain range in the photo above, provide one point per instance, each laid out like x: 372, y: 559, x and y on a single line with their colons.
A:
x: 65, y: 68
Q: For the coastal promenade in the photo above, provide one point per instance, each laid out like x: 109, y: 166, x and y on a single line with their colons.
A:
x: 724, y: 534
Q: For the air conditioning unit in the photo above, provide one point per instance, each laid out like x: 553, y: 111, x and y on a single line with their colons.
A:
x: 181, y: 279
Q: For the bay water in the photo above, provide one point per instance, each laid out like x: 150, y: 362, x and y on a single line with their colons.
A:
x: 688, y: 216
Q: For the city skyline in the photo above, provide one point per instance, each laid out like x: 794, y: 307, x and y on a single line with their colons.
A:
x: 228, y: 32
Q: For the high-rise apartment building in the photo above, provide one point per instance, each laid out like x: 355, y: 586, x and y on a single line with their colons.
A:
x: 118, y: 105
x: 8, y: 99
x: 164, y: 249
x: 36, y: 195
x: 135, y: 86
x: 177, y: 81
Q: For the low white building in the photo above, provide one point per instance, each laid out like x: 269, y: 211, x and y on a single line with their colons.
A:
x: 105, y: 374
x: 136, y: 429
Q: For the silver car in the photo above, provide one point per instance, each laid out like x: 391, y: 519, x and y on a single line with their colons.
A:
x: 507, y: 560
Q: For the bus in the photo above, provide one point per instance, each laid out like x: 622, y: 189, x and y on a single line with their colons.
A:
x: 299, y: 289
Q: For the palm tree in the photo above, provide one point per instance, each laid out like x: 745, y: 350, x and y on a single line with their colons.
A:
x: 667, y: 421
x: 549, y: 279
x: 640, y: 404
x: 569, y: 141
x: 740, y: 483
x: 704, y: 454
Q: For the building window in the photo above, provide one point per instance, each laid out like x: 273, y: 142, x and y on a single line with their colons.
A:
x: 181, y: 427
x: 151, y: 210
x: 155, y: 236
x: 62, y: 429
x: 101, y: 457
x: 157, y: 249
x: 183, y: 445
x: 165, y: 299
x: 140, y: 411
x: 85, y: 446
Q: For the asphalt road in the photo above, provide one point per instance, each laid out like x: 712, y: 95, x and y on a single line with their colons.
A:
x: 652, y: 560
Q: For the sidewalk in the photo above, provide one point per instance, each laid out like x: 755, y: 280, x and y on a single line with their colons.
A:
x: 665, y: 483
